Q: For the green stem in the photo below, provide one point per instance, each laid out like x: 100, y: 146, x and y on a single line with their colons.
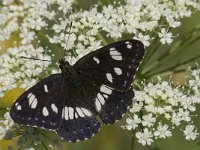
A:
x: 153, y: 46
x: 182, y: 46
x: 45, y: 146
x: 133, y: 140
x: 149, y: 52
x: 173, y: 68
x: 20, y: 147
x: 183, y: 69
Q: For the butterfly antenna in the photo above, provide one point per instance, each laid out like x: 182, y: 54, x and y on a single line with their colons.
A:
x: 65, y: 54
x: 34, y: 58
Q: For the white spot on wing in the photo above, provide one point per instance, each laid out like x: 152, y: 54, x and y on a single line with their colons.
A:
x: 66, y: 113
x: 86, y: 112
x: 76, y: 115
x: 34, y: 104
x: 97, y: 105
x: 100, y: 98
x: 16, y: 104
x: 54, y: 108
x: 106, y: 96
x: 125, y: 83
x: 118, y: 71
x: 45, y: 111
x: 19, y: 107
x: 29, y: 95
x: 80, y: 112
x: 46, y: 88
x: 129, y: 46
x: 116, y: 55
x: 71, y: 113
x: 112, y: 49
x: 96, y: 60
x: 32, y: 100
x: 109, y: 77
x: 105, y: 89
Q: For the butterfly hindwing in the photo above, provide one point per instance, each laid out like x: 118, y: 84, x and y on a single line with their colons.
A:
x: 112, y: 107
x: 79, y: 128
x: 78, y: 117
x: 42, y: 104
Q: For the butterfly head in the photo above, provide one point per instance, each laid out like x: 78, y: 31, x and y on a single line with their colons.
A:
x: 64, y: 64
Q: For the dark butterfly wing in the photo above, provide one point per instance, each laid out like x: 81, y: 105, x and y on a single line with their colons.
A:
x: 79, y: 122
x: 115, y: 105
x: 42, y: 104
x: 78, y: 129
x: 110, y: 70
x: 114, y: 65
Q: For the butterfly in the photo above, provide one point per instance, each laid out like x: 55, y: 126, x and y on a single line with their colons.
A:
x: 99, y: 85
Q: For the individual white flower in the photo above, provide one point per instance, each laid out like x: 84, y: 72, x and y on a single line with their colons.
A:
x: 165, y: 36
x: 188, y: 102
x: 144, y: 39
x: 145, y: 137
x: 176, y: 119
x: 162, y: 131
x: 136, y: 107
x: 190, y: 132
x: 184, y: 115
x: 148, y: 120
x: 132, y: 123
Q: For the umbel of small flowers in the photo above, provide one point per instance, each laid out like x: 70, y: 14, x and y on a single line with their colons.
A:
x: 159, y: 108
x: 5, y: 124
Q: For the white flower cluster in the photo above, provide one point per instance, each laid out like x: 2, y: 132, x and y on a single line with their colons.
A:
x: 27, y: 17
x: 34, y: 20
x: 160, y: 108
x: 5, y: 125
x: 136, y: 18
x: 15, y: 69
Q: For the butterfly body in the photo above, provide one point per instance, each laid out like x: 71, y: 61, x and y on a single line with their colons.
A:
x: 98, y: 84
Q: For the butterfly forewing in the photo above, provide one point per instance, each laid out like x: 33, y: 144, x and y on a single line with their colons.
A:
x: 114, y: 65
x: 42, y: 104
